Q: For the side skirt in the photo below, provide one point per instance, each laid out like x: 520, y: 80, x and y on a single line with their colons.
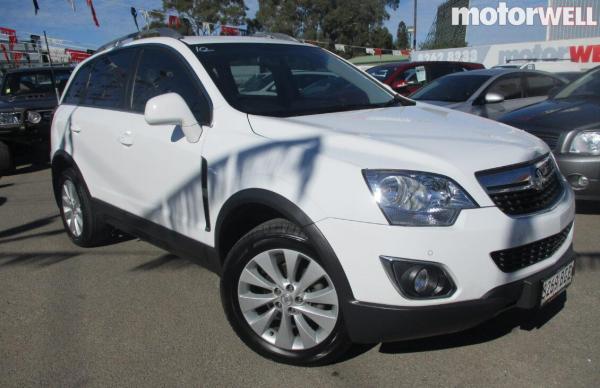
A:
x: 159, y: 236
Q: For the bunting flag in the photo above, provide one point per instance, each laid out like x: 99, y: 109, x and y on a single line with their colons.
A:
x: 340, y: 47
x: 370, y: 51
x: 36, y: 6
x: 174, y: 21
x: 134, y: 14
x: 377, y: 51
x: 91, y: 5
x: 72, y: 2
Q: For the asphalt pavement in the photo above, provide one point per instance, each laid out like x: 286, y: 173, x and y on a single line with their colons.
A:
x: 130, y: 314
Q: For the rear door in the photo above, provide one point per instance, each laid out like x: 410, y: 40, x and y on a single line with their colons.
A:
x: 538, y: 86
x: 164, y: 172
x: 93, y: 125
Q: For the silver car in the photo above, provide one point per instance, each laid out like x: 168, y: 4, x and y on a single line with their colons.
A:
x: 490, y: 92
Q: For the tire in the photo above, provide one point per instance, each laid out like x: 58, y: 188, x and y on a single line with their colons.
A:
x: 6, y: 159
x: 311, y: 339
x: 86, y: 229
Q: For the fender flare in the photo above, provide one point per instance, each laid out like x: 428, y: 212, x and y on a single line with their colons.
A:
x: 293, y: 213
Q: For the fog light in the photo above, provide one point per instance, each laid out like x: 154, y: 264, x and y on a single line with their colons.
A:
x: 418, y: 279
x: 34, y: 117
x: 578, y: 181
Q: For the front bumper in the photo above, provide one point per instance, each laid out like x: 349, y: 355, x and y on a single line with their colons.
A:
x: 372, y: 323
x: 572, y: 166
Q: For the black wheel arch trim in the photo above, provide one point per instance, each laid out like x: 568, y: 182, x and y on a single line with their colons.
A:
x: 293, y: 213
x: 61, y: 154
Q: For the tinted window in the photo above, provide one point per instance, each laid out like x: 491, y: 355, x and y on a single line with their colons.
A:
x: 161, y: 71
x: 540, y: 85
x: 77, y: 88
x: 437, y: 70
x: 382, y: 72
x: 108, y: 80
x: 588, y: 86
x: 508, y: 86
x: 336, y: 85
x: 451, y: 88
x: 21, y: 83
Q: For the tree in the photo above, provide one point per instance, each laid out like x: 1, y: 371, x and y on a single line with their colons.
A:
x: 197, y: 11
x: 381, y: 38
x: 402, y: 40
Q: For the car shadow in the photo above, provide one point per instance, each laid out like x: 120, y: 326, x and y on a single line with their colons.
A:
x: 587, y: 261
x: 2, y: 200
x: 167, y: 261
x: 6, y: 185
x: 28, y: 226
x: 587, y: 207
x: 488, y: 331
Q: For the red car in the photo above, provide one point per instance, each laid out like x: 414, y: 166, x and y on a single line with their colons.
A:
x: 408, y: 77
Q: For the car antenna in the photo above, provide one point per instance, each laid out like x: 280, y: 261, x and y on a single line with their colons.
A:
x: 51, y: 69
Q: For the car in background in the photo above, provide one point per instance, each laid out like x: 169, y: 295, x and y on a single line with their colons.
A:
x: 408, y: 77
x: 551, y: 65
x: 570, y: 123
x: 27, y: 103
x: 490, y: 93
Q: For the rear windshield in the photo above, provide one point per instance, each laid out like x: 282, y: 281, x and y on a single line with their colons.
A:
x: 21, y: 83
x: 285, y: 80
x: 453, y: 88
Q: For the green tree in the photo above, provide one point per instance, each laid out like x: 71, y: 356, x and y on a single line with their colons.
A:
x: 381, y: 38
x: 402, y: 40
x: 197, y: 11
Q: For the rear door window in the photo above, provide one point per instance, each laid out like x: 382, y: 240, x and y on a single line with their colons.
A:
x: 540, y: 85
x: 109, y: 78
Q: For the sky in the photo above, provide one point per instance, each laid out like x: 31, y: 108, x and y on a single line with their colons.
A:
x: 59, y: 21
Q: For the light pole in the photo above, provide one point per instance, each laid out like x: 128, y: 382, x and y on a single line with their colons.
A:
x: 415, y: 26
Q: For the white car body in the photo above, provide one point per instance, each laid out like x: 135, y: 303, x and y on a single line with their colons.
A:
x: 315, y: 162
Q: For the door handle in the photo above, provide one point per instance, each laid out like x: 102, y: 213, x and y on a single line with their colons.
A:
x: 126, y: 139
x: 75, y: 129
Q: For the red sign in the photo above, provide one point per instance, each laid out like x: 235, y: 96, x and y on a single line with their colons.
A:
x: 589, y: 53
x: 76, y: 55
x: 229, y: 31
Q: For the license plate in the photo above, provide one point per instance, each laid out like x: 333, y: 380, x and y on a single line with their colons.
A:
x: 557, y: 283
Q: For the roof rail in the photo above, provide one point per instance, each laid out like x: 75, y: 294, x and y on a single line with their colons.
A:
x: 156, y: 32
x: 275, y: 35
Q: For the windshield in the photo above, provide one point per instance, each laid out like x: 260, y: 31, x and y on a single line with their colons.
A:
x: 453, y: 88
x: 586, y: 86
x: 20, y: 83
x: 382, y: 72
x: 285, y: 80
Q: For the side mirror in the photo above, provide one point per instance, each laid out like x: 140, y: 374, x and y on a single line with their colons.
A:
x: 493, y: 98
x: 171, y: 109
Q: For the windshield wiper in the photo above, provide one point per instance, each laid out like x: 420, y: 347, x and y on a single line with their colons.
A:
x: 398, y: 99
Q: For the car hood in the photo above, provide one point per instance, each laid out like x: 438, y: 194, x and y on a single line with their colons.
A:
x: 562, y: 115
x: 28, y: 101
x: 421, y: 137
x: 445, y: 104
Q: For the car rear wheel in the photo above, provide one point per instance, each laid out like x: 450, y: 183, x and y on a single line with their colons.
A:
x: 81, y: 223
x: 279, y: 298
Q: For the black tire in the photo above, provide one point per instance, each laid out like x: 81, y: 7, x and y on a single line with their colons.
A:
x: 276, y: 234
x: 6, y: 159
x: 94, y: 231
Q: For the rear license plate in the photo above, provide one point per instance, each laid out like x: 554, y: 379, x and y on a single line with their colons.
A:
x: 555, y: 284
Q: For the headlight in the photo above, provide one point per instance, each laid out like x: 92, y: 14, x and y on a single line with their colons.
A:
x: 587, y: 142
x: 34, y: 117
x: 10, y: 118
x: 413, y: 198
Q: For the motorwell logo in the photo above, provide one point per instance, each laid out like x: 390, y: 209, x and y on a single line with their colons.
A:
x: 516, y: 16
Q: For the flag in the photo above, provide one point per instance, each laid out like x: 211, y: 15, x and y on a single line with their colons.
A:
x: 36, y: 6
x: 370, y: 51
x: 91, y: 5
x: 174, y: 21
x: 134, y: 14
x: 378, y: 51
x: 72, y: 4
x: 340, y: 47
x: 229, y: 31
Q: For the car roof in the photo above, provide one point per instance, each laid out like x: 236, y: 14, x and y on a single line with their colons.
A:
x: 499, y: 71
x: 192, y: 40
x: 36, y: 69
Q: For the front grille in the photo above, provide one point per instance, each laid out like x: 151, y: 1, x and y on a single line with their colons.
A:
x: 524, y: 189
x: 514, y: 259
x: 549, y: 138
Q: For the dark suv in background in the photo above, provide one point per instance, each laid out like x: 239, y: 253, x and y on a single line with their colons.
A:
x: 570, y: 123
x: 408, y: 77
x: 27, y: 102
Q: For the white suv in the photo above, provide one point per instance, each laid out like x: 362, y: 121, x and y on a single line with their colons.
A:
x: 335, y: 211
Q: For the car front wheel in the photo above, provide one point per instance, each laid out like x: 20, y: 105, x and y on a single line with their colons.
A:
x: 279, y: 298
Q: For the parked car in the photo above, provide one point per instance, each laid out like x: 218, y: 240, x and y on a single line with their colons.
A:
x: 27, y: 102
x: 569, y: 123
x: 348, y: 214
x: 490, y: 93
x: 408, y: 77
